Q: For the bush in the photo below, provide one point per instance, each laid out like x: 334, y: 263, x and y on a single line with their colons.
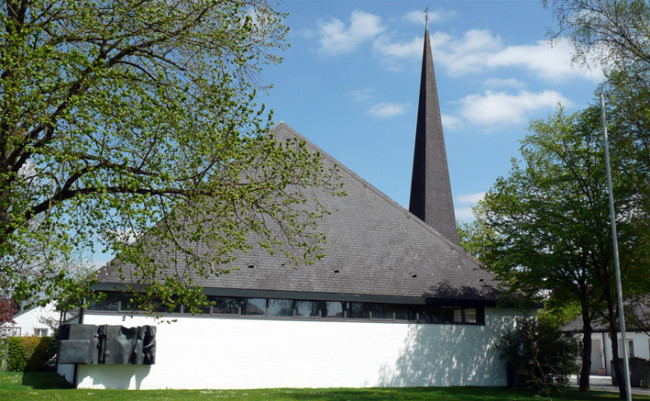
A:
x: 30, y: 353
x: 538, y: 356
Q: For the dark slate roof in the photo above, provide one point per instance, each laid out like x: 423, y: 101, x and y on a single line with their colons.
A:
x: 375, y: 248
x: 431, y: 198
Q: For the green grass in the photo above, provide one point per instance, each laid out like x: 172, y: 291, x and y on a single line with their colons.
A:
x: 48, y: 386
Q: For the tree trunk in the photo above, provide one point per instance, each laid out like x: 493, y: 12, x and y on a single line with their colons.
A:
x: 619, y: 372
x: 586, y: 352
x: 612, y: 319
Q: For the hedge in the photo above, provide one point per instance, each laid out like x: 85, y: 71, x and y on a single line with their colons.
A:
x: 30, y: 353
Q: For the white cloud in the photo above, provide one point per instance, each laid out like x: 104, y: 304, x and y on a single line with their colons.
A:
x: 500, y: 108
x: 386, y: 48
x: 503, y: 83
x: 467, y: 54
x: 359, y: 95
x: 336, y: 38
x: 384, y: 110
x: 464, y: 213
x: 417, y: 17
x: 451, y: 122
x: 551, y: 63
x: 470, y: 198
x: 481, y: 50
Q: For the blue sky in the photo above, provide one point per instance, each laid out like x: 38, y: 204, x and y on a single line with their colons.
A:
x: 350, y: 81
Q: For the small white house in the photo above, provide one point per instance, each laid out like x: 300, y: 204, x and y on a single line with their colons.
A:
x: 30, y: 322
x: 638, y: 344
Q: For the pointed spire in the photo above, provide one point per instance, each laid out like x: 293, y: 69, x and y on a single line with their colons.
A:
x: 431, y: 198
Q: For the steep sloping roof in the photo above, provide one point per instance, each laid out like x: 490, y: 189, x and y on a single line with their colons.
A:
x: 374, y: 248
x: 431, y: 198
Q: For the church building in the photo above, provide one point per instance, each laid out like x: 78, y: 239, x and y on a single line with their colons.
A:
x: 394, y: 302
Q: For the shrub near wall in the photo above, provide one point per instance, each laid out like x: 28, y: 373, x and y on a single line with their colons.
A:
x: 538, y: 355
x: 30, y: 353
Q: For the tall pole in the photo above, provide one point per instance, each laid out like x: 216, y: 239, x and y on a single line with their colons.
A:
x: 619, y: 287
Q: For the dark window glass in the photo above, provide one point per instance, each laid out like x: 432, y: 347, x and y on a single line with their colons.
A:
x: 358, y: 311
x: 126, y: 304
x: 378, y: 311
x: 334, y: 309
x: 427, y: 314
x: 308, y: 308
x: 458, y: 315
x: 253, y: 306
x: 280, y: 307
x: 470, y: 315
x: 399, y: 312
x: 227, y: 305
x: 109, y: 301
x: 115, y: 301
x: 166, y: 309
x: 447, y: 314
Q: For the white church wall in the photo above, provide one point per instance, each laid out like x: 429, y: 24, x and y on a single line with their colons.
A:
x: 208, y: 352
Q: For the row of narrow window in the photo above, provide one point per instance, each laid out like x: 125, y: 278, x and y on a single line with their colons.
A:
x: 288, y: 308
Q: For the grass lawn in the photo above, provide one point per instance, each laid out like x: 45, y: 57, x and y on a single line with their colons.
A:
x: 49, y: 386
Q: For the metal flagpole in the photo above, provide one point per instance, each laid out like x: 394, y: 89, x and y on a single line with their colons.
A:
x: 619, y: 289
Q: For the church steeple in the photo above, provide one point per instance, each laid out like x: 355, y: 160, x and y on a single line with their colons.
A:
x: 431, y: 198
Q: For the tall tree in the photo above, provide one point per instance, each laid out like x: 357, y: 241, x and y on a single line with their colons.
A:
x: 544, y: 229
x: 613, y: 33
x: 132, y: 117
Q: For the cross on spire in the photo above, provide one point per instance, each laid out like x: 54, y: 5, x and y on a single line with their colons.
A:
x: 426, y: 16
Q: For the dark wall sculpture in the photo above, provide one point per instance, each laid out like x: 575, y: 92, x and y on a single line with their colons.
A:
x: 111, y: 345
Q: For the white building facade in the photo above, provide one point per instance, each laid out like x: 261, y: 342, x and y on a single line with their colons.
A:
x: 240, y: 353
x: 601, y: 350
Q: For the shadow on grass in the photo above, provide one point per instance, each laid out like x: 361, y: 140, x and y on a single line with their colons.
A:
x: 45, y: 381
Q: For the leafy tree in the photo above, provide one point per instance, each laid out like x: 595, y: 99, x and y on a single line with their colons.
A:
x: 127, y: 119
x: 614, y: 35
x: 555, y: 315
x: 545, y: 228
